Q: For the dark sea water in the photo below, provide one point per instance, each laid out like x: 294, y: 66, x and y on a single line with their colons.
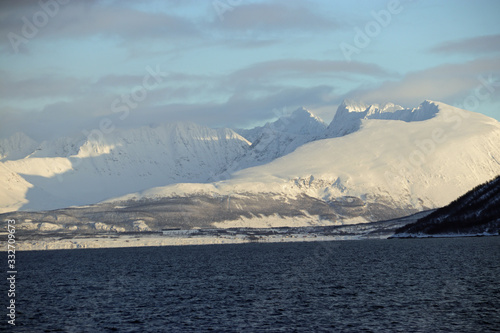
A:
x: 425, y: 285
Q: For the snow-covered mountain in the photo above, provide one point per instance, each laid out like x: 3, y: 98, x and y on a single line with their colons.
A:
x: 280, y: 137
x: 386, y: 169
x: 83, y: 170
x: 394, y: 162
x: 17, y: 146
x: 350, y: 114
x: 44, y: 175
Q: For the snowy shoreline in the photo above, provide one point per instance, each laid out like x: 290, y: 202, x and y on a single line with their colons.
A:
x: 145, y: 241
x: 158, y: 240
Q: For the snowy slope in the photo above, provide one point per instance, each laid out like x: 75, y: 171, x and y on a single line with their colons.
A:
x: 87, y: 170
x: 432, y: 155
x: 422, y: 163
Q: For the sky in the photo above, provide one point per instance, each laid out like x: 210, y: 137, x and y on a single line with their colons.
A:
x: 68, y: 67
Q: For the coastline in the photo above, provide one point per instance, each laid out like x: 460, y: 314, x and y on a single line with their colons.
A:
x: 56, y: 243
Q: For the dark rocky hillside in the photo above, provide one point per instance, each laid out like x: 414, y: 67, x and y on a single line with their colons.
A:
x: 475, y: 213
x: 197, y: 211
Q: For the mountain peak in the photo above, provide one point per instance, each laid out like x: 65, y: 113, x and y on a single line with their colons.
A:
x: 350, y: 114
x: 354, y: 106
x: 304, y: 114
x: 350, y: 105
x: 17, y: 146
x: 301, y: 122
x: 302, y: 111
x: 281, y: 137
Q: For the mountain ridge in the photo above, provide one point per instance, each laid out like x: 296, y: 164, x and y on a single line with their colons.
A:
x: 384, y: 169
x: 349, y: 115
x: 281, y: 137
x: 124, y: 161
x: 388, y: 163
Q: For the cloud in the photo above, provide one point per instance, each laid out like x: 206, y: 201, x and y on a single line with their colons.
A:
x: 45, y: 86
x: 123, y: 22
x: 124, y: 80
x: 180, y: 98
x: 272, y: 17
x: 88, y: 19
x: 85, y: 113
x: 302, y: 69
x: 449, y: 83
x: 239, y: 110
x: 251, y: 43
x: 481, y: 44
x: 247, y: 95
